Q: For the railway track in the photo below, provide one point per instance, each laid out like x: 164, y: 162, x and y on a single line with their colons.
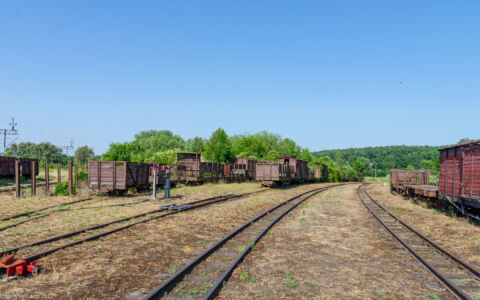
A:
x: 85, y: 235
x: 460, y: 278
x: 32, y: 212
x: 208, y: 273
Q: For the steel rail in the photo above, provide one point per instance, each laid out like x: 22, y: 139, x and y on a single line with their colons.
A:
x: 35, y: 217
x: 458, y: 260
x: 457, y: 291
x: 42, y: 209
x: 184, y: 207
x: 169, y: 284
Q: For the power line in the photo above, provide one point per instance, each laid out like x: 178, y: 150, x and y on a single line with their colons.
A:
x: 66, y: 148
x: 11, y: 131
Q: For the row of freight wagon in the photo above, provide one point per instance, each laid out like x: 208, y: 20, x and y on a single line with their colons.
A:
x: 458, y: 180
x: 190, y: 169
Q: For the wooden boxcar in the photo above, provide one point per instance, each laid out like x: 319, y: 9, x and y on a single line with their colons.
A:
x: 190, y: 169
x: 401, y: 178
x: 459, y: 180
x: 243, y: 169
x: 271, y: 174
x: 109, y: 176
x: 299, y: 168
x: 7, y: 166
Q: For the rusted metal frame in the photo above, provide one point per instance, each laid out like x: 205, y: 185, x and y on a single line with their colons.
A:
x: 458, y: 260
x: 94, y: 237
x: 34, y: 178
x: 17, y: 179
x: 99, y: 175
x: 448, y: 283
x: 446, y: 173
x: 472, y: 155
x: 172, y: 281
x: 114, y: 179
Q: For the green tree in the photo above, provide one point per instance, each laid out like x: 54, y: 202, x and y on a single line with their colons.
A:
x: 361, y: 165
x: 44, y: 152
x: 464, y: 140
x: 219, y: 147
x: 153, y: 141
x: 306, y: 155
x: 427, y: 164
x: 168, y: 157
x: 389, y: 162
x: 197, y: 144
x: 125, y: 152
x: 288, y: 147
x: 82, y: 155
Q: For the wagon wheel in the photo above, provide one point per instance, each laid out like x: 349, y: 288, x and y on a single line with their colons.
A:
x: 286, y: 181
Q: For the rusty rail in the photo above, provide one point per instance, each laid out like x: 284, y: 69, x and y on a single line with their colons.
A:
x: 170, y: 284
x: 173, y: 210
x: 450, y: 285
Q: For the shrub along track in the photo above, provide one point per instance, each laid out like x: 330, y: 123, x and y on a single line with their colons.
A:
x: 220, y: 260
x: 78, y: 235
x: 460, y: 278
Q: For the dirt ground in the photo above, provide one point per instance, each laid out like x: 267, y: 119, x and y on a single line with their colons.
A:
x: 330, y: 248
x: 92, y: 212
x: 119, y: 264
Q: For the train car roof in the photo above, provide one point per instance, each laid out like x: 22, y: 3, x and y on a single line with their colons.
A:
x: 469, y: 143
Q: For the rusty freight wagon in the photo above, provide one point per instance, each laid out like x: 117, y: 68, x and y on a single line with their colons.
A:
x: 299, y: 168
x: 190, y: 169
x: 7, y: 166
x: 412, y: 182
x: 272, y: 174
x: 110, y: 176
x: 459, y: 180
x: 243, y: 169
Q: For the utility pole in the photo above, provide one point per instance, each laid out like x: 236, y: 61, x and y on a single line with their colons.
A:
x: 11, y: 131
x: 66, y: 148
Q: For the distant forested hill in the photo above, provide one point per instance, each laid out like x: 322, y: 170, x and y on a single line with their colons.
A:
x: 387, y: 157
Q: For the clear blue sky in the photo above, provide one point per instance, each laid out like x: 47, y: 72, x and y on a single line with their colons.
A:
x: 328, y: 74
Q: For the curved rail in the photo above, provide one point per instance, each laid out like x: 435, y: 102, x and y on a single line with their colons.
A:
x: 383, y: 216
x: 288, y: 206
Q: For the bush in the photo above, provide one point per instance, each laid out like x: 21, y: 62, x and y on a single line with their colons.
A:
x: 82, y: 176
x: 61, y: 189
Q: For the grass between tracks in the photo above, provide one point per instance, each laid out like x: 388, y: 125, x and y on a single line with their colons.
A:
x: 96, y: 211
x: 114, y: 266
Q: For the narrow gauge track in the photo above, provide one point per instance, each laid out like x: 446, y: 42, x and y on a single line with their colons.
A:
x: 460, y: 278
x: 59, y: 209
x: 209, y: 272
x: 148, y: 216
x: 32, y: 212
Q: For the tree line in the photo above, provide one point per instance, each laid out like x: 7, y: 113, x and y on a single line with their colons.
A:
x: 46, y: 152
x: 161, y: 146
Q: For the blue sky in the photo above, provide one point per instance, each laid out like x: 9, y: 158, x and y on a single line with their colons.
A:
x: 328, y: 74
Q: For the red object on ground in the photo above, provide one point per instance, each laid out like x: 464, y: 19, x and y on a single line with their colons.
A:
x: 13, y: 266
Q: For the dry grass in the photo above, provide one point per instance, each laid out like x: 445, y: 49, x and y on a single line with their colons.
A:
x: 120, y: 263
x: 455, y: 234
x: 96, y: 211
x: 329, y: 248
